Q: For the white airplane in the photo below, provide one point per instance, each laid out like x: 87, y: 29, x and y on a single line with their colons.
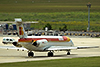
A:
x: 42, y: 43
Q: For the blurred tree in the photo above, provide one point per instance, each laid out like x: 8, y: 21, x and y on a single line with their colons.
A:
x: 48, y: 26
x: 64, y: 28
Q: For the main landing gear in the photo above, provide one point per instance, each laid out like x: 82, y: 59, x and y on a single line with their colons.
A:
x: 68, y: 53
x: 50, y: 54
x: 30, y: 54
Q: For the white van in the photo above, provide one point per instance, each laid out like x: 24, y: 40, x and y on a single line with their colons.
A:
x: 8, y: 40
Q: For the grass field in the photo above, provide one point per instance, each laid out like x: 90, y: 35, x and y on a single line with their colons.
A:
x: 74, y: 62
x: 54, y: 12
x: 47, y: 5
x: 75, y: 21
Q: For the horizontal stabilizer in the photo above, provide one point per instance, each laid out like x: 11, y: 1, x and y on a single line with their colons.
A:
x: 12, y: 47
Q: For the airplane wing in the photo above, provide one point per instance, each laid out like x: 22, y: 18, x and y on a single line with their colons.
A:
x: 60, y: 48
x: 12, y: 47
x: 69, y: 48
x: 85, y: 47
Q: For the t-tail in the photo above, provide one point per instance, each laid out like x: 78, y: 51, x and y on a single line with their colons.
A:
x: 20, y: 28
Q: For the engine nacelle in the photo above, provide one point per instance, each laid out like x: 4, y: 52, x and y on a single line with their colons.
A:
x: 40, y: 43
x: 16, y: 44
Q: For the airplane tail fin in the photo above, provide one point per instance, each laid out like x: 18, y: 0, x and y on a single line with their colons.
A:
x: 20, y: 28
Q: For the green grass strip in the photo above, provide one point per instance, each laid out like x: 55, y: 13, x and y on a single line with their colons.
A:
x: 74, y: 62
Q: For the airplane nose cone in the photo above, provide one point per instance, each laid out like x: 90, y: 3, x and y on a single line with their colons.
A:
x: 68, y: 39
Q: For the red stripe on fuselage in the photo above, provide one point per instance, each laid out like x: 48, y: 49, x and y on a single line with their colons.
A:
x: 48, y: 39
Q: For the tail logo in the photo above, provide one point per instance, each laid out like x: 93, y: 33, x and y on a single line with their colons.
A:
x: 21, y: 32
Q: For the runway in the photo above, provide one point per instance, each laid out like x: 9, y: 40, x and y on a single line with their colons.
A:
x: 19, y: 56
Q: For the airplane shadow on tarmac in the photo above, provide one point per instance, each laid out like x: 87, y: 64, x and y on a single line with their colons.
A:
x: 63, y: 55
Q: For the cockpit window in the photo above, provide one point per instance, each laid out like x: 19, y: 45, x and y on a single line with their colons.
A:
x: 7, y: 39
x: 3, y: 39
x: 11, y: 40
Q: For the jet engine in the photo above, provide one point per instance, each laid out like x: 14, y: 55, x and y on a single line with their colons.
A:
x: 40, y: 43
x: 16, y: 44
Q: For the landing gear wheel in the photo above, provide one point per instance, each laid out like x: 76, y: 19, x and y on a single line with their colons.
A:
x: 50, y: 54
x: 30, y: 54
x: 68, y: 53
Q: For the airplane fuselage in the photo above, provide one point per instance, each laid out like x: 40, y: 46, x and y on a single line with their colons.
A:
x: 50, y: 41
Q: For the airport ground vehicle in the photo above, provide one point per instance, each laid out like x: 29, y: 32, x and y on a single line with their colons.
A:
x: 8, y: 40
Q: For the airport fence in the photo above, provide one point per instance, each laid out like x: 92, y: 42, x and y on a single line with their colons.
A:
x: 60, y: 33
